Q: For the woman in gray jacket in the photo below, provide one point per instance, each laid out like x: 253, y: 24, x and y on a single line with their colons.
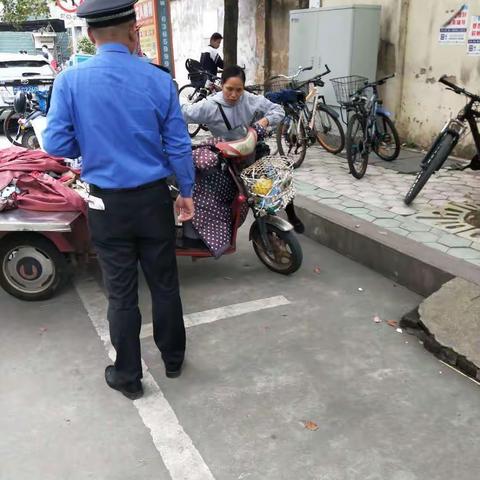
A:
x: 234, y: 107
x: 241, y: 108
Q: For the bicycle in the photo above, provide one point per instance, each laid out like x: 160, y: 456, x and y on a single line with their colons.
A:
x: 448, y: 138
x: 202, y: 85
x: 303, y: 126
x: 369, y: 127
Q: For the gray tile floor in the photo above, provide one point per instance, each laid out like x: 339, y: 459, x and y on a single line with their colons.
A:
x: 438, y: 218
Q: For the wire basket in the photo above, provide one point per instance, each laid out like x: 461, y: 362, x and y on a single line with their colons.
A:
x: 345, y: 87
x: 269, y: 183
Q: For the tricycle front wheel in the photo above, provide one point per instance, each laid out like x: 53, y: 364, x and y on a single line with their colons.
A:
x: 286, y: 254
x: 31, y: 267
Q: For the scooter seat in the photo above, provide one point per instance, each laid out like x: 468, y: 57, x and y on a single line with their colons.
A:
x: 239, y: 148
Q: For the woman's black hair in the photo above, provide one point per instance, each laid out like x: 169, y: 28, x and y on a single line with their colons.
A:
x: 232, y: 72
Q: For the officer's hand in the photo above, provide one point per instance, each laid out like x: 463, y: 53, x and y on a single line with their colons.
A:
x: 185, y: 209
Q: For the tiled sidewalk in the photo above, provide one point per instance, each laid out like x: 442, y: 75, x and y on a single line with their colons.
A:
x: 443, y: 217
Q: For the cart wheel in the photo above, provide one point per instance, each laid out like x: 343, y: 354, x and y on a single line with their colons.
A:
x: 32, y: 268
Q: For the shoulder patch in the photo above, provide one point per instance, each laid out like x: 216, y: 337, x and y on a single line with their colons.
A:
x: 161, y: 67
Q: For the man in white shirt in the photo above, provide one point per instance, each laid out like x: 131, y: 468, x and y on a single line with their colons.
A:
x: 210, y: 59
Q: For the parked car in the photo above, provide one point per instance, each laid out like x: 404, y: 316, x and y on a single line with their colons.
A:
x: 19, y: 66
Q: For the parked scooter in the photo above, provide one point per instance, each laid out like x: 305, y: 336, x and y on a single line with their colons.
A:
x: 265, y: 187
x: 29, y: 109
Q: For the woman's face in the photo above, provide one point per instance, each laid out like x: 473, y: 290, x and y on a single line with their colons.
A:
x: 233, y: 89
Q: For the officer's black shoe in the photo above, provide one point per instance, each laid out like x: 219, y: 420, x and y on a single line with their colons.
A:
x: 173, y: 372
x: 132, y: 390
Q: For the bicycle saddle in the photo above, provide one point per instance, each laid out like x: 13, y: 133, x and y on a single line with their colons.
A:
x: 239, y: 148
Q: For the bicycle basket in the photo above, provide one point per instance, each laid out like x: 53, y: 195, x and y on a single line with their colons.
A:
x: 345, y: 87
x: 195, y: 75
x: 269, y: 183
x: 193, y: 66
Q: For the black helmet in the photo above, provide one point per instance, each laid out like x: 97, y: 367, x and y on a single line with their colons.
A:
x: 20, y: 103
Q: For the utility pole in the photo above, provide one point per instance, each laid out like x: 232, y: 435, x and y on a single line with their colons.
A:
x: 230, y: 32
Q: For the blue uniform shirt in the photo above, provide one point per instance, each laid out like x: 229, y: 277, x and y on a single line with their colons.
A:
x: 123, y: 117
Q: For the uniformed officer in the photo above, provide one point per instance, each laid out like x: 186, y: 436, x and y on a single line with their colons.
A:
x: 123, y: 117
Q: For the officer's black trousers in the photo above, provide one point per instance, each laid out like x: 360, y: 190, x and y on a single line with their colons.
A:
x: 137, y: 225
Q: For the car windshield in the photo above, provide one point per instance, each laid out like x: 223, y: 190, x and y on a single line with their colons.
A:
x: 17, y: 67
x: 22, y: 64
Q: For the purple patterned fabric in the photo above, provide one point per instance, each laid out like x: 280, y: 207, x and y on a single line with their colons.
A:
x: 213, y: 196
x: 204, y: 159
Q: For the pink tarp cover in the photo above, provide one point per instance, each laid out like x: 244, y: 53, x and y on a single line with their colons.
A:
x: 40, y: 192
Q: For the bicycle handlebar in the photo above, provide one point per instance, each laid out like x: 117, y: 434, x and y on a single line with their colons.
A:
x: 212, y: 78
x: 373, y: 84
x: 381, y: 81
x: 384, y: 79
x: 318, y: 78
x: 458, y: 90
x: 295, y: 75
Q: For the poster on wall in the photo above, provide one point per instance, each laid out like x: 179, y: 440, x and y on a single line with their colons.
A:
x: 155, y: 31
x: 454, y: 31
x: 147, y: 32
x: 474, y: 36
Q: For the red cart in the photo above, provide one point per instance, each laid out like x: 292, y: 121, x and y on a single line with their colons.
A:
x: 35, y: 248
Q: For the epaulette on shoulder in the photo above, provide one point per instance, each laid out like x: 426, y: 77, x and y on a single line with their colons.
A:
x: 161, y: 67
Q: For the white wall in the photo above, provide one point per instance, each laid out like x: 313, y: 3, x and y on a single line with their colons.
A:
x: 410, y: 31
x: 193, y: 23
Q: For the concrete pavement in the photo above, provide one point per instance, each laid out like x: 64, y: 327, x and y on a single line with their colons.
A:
x: 305, y: 349
x: 382, y: 407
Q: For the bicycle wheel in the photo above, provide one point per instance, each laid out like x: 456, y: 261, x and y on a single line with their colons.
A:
x: 291, y: 140
x: 329, y: 130
x: 188, y: 95
x: 387, y: 142
x: 30, y: 140
x: 434, y: 160
x: 357, y: 152
x: 10, y: 127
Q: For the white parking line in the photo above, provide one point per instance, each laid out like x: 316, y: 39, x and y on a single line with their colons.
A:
x: 176, y: 448
x: 215, y: 314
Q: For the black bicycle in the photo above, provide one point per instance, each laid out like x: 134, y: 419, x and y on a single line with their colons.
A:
x: 369, y: 126
x: 202, y: 85
x: 448, y: 138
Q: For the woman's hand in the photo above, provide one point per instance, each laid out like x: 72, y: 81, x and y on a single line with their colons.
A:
x: 263, y: 122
